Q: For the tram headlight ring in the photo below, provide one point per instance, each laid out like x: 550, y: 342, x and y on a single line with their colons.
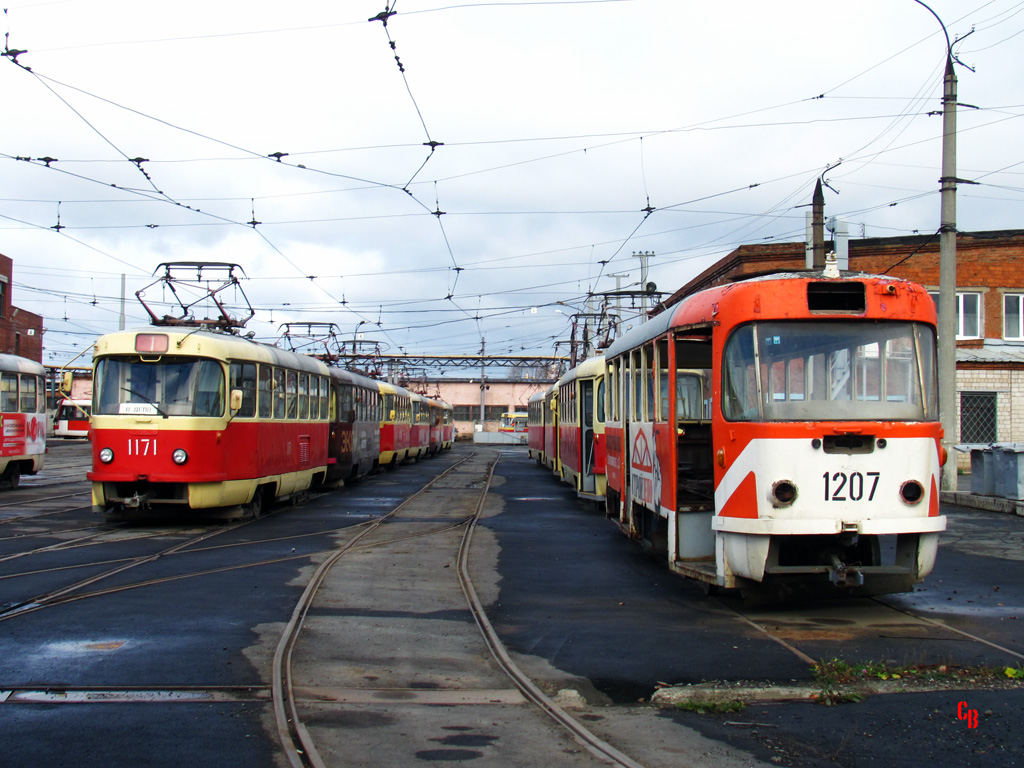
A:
x: 784, y: 493
x: 912, y: 492
x: 106, y: 455
x: 180, y: 456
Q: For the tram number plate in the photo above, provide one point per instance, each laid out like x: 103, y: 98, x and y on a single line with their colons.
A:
x: 853, y: 486
x: 142, y: 446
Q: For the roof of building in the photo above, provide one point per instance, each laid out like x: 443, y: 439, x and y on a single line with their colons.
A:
x: 992, y: 351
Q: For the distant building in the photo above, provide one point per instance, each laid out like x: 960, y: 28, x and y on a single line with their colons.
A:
x: 990, y: 312
x: 21, y: 332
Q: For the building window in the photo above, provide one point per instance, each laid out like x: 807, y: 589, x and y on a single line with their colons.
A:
x: 977, y: 417
x: 968, y: 314
x: 1013, y: 316
x: 466, y: 412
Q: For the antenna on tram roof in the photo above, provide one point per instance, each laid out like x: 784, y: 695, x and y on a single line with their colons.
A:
x: 188, y: 293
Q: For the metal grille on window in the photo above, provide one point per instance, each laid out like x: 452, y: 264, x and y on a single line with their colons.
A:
x: 977, y: 417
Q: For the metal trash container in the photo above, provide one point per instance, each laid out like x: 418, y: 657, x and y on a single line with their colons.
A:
x: 1009, y: 470
x: 982, y: 474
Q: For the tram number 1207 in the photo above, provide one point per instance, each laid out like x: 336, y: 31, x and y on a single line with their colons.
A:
x: 840, y: 486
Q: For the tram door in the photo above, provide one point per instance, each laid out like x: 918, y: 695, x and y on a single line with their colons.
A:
x: 587, y: 481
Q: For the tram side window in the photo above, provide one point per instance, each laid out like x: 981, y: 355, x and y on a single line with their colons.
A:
x: 279, y: 393
x: 9, y: 392
x: 636, y: 374
x: 265, y: 386
x: 303, y: 412
x: 613, y: 390
x: 28, y: 393
x: 347, y: 414
x: 243, y: 377
x: 661, y: 372
x: 41, y: 395
x: 325, y: 394
x: 291, y: 392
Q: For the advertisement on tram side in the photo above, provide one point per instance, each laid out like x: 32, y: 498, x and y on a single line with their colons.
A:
x: 24, y: 434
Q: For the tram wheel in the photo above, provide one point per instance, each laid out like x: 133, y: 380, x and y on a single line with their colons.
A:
x: 11, y: 476
x: 254, y: 508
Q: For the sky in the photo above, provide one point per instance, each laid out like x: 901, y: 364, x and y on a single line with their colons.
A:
x: 432, y: 176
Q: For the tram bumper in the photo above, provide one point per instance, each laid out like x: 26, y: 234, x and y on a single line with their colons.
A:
x: 873, y: 560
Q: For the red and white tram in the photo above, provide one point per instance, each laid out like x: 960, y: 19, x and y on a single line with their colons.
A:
x: 782, y: 432
x: 192, y: 419
x: 22, y: 418
x: 581, y: 430
x: 72, y: 418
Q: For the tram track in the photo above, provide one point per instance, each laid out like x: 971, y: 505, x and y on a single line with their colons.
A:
x: 300, y: 745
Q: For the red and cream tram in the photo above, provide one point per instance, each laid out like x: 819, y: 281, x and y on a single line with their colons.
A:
x: 581, y: 428
x: 23, y: 418
x: 535, y: 425
x: 395, y: 424
x: 782, y: 432
x: 192, y: 419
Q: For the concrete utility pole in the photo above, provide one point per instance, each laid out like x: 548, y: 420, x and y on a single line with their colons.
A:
x: 483, y: 379
x: 818, y: 228
x: 947, y: 274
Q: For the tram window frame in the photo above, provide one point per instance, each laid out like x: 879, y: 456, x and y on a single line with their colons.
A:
x: 610, y: 392
x: 648, y: 375
x: 302, y: 396
x: 636, y: 399
x: 8, y: 392
x: 662, y: 402
x: 291, y: 395
x: 325, y: 395
x: 280, y: 391
x: 27, y: 399
x: 265, y: 391
x: 243, y: 376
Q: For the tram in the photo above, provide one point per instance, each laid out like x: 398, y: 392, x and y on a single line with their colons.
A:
x: 23, y: 418
x: 782, y: 432
x: 581, y: 431
x: 513, y: 422
x: 72, y: 418
x: 354, y: 438
x: 194, y: 419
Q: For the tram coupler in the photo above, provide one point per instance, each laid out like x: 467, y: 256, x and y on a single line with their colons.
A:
x: 842, y: 575
x: 136, y: 501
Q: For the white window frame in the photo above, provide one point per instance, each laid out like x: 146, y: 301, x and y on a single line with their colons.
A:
x: 961, y: 320
x: 1019, y: 335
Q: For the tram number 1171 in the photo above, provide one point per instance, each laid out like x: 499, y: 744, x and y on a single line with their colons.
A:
x: 840, y: 486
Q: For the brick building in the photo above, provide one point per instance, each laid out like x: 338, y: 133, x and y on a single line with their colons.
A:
x: 990, y: 312
x: 21, y: 332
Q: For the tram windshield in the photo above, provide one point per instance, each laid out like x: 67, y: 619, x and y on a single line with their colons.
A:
x: 170, y: 386
x: 837, y: 370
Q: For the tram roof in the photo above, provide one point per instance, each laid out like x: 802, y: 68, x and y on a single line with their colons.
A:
x: 21, y: 365
x: 703, y: 308
x: 209, y: 344
x: 592, y: 366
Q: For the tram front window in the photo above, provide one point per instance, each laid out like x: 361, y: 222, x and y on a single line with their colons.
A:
x: 168, y: 387
x: 830, y: 371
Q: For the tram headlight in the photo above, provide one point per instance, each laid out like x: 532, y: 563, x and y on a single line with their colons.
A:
x: 106, y: 455
x: 911, y: 492
x: 180, y: 456
x: 783, y: 493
